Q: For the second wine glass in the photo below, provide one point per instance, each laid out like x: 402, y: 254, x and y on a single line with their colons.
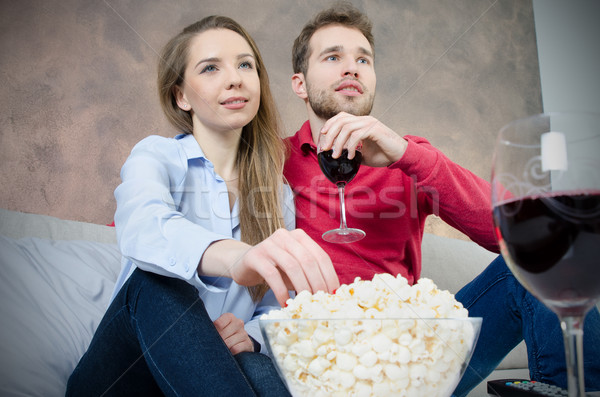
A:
x: 546, y: 208
x: 340, y: 171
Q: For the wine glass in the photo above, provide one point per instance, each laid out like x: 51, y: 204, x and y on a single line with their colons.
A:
x: 546, y: 209
x: 340, y: 171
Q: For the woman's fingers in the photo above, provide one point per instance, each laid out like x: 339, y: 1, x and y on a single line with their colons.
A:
x: 319, y: 267
x: 292, y: 260
x: 258, y: 261
x: 232, y: 331
x: 308, y: 267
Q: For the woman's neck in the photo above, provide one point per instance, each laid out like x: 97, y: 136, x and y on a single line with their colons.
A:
x: 220, y: 147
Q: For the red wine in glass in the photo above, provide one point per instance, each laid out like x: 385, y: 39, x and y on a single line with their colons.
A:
x: 546, y: 208
x: 553, y: 240
x: 341, y: 171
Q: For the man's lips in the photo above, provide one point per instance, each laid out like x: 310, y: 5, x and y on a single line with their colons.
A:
x: 350, y: 86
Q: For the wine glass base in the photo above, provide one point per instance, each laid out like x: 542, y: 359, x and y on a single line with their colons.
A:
x: 343, y: 236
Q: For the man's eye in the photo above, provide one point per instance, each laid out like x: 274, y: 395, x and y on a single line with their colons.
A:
x: 363, y: 60
x: 208, y: 68
x: 332, y: 58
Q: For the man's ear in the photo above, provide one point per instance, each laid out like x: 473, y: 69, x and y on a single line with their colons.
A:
x: 299, y: 85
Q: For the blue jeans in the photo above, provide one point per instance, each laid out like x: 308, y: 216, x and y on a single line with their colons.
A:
x: 157, y: 339
x: 511, y: 314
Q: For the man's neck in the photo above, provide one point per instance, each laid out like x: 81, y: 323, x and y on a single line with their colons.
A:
x: 316, y: 124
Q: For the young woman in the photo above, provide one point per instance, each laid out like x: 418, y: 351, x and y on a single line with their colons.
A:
x: 201, y: 222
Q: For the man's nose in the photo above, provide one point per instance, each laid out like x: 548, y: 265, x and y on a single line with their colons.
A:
x: 350, y: 69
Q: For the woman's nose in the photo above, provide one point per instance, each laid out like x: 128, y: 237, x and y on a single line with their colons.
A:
x: 234, y: 79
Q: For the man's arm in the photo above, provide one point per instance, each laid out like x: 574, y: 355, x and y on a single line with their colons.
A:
x: 454, y: 193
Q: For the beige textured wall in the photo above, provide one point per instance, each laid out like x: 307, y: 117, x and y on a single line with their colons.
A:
x: 77, y: 83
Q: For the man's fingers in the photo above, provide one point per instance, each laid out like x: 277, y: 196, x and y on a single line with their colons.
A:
x: 347, y: 131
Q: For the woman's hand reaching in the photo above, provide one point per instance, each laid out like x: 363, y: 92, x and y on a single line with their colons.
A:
x: 286, y: 260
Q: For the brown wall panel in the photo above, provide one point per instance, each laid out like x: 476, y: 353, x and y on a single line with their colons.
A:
x: 77, y: 83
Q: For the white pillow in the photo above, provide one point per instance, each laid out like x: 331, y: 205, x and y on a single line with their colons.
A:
x: 52, y: 297
x: 452, y: 263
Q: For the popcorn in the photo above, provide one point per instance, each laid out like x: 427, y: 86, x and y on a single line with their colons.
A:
x: 372, y: 338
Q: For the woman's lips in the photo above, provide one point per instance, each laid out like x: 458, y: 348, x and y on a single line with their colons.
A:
x: 234, y: 103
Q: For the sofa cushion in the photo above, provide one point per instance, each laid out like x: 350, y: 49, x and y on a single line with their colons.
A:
x: 19, y: 224
x: 452, y: 263
x: 52, y: 297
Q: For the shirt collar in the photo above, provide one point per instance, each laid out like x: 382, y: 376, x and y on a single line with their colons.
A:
x: 305, y: 138
x: 190, y: 146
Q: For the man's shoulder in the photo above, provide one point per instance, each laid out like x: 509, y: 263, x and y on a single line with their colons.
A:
x: 294, y: 144
x: 295, y: 138
x: 291, y: 139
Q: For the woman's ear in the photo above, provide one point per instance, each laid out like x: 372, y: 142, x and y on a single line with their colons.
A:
x: 181, y: 99
x: 299, y: 85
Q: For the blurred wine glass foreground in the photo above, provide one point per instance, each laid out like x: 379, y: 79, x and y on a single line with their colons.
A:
x: 546, y: 209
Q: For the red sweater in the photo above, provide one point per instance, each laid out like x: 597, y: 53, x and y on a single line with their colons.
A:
x: 389, y: 204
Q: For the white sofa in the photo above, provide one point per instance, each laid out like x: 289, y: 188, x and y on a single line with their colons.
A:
x: 57, y: 276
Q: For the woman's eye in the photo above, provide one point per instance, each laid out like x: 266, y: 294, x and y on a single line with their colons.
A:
x: 208, y: 68
x: 246, y: 65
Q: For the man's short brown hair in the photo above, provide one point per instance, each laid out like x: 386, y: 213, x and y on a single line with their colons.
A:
x: 342, y: 13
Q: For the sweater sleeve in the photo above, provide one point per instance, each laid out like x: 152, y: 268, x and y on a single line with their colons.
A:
x: 459, y: 197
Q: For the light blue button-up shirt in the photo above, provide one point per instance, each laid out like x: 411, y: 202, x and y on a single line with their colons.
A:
x: 171, y: 205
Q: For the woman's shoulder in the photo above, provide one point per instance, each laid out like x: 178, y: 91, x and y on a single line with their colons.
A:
x: 157, y: 143
x: 159, y: 147
x: 158, y: 152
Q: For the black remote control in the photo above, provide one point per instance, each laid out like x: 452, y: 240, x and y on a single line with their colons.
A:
x: 527, y: 388
x: 523, y: 388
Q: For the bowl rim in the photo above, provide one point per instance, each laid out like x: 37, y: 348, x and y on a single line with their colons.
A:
x: 469, y: 319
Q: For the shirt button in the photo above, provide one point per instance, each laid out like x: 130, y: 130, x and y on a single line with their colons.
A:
x: 172, y: 261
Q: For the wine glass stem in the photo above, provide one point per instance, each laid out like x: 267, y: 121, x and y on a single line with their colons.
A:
x: 572, y: 327
x: 341, y: 191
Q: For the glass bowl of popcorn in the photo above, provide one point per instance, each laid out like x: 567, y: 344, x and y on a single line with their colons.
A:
x: 372, y: 338
x: 371, y: 357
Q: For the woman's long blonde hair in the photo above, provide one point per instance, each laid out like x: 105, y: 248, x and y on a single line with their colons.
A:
x: 260, y: 154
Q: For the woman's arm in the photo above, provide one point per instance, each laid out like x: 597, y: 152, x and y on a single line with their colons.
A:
x: 286, y: 260
x: 151, y: 230
x: 158, y: 238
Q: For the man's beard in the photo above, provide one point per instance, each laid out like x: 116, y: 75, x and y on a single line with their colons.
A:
x: 326, y: 104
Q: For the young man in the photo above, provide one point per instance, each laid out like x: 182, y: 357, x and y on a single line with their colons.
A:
x: 402, y: 180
